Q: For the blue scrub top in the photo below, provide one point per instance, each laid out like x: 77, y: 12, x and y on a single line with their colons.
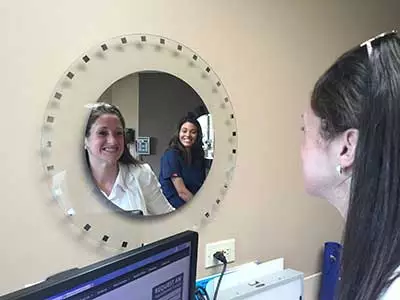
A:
x: 173, y: 165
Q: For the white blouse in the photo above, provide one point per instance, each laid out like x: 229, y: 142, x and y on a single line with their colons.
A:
x: 137, y: 188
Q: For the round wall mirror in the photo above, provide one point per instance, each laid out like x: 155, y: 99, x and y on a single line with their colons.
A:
x: 152, y: 115
x: 148, y: 144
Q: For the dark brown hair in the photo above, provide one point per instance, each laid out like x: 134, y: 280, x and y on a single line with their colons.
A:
x: 362, y: 91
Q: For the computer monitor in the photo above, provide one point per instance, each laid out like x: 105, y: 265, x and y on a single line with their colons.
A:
x: 163, y: 270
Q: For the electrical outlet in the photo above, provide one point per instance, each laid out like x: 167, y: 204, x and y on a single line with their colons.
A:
x: 226, y: 246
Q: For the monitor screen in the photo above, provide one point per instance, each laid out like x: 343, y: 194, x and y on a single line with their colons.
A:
x: 164, y: 270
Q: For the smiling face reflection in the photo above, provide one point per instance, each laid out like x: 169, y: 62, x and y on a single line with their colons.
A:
x: 126, y: 183
x: 188, y: 134
x: 105, y: 143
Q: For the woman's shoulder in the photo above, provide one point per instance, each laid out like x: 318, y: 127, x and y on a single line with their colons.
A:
x: 142, y: 172
x: 131, y: 170
x: 145, y: 167
x: 171, y: 153
x: 393, y: 291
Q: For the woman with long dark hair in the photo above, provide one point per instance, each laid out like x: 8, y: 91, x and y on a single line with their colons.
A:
x: 183, y: 166
x: 351, y: 157
x: 127, y: 183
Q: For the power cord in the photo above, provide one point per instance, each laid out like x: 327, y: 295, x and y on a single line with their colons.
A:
x: 200, y: 292
x: 220, y: 256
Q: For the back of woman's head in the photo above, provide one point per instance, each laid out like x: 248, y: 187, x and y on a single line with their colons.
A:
x: 99, y: 109
x: 361, y: 90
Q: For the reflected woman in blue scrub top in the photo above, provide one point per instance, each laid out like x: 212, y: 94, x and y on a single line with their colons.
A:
x: 183, y: 166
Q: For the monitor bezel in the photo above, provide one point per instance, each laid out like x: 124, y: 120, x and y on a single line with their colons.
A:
x: 64, y: 281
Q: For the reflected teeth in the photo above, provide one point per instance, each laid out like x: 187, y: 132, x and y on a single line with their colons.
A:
x: 110, y: 149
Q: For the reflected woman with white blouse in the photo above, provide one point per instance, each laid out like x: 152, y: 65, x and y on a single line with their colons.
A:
x: 127, y: 183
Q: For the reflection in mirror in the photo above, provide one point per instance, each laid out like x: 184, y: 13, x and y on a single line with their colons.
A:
x: 149, y: 143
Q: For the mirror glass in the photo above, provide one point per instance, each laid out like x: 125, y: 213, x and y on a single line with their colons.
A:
x: 148, y: 144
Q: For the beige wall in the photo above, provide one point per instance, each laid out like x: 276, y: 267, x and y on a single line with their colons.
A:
x: 267, y: 53
x: 126, y: 97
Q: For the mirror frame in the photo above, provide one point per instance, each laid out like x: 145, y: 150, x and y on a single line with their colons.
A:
x: 84, y: 81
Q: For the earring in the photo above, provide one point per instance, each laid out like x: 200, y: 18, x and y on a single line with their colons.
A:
x: 339, y: 169
x: 85, y: 147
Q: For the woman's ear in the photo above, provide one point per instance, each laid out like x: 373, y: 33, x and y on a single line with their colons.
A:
x: 348, y: 145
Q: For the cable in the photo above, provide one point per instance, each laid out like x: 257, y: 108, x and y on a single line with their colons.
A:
x: 219, y: 255
x: 201, y: 293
